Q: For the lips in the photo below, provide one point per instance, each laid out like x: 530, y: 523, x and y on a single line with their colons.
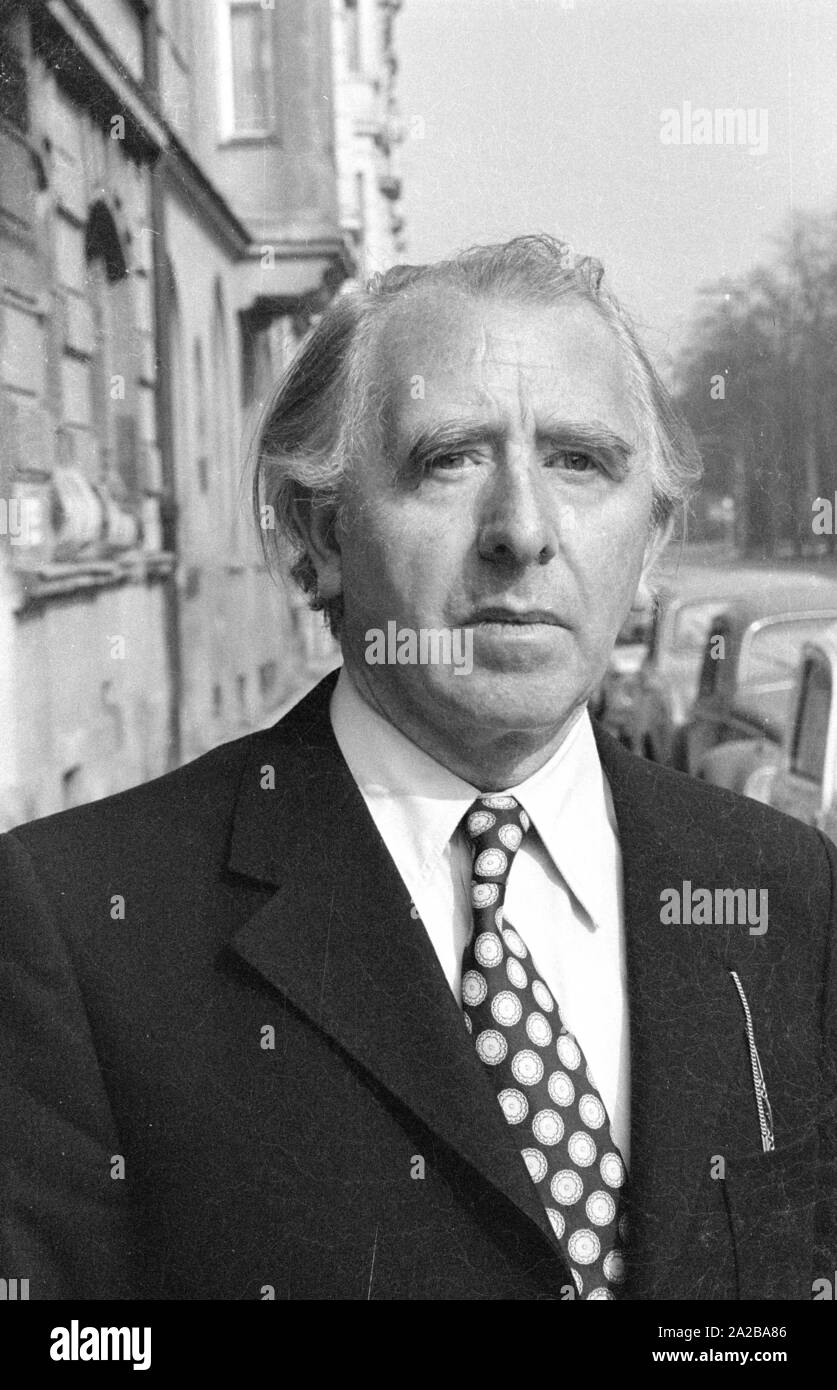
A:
x: 516, y: 616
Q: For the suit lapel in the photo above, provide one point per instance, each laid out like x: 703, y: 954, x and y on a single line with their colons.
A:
x: 338, y: 940
x: 685, y: 1021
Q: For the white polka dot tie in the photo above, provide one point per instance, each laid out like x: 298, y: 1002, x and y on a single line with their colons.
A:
x: 544, y: 1085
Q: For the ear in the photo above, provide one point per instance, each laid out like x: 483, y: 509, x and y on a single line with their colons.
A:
x: 317, y: 524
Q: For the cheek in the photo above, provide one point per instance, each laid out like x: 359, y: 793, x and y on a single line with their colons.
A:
x: 385, y: 564
x: 401, y: 549
x: 606, y: 553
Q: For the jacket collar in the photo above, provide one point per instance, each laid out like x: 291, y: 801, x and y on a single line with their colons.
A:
x: 337, y: 938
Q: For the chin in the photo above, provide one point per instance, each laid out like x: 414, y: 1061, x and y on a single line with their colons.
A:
x: 508, y: 699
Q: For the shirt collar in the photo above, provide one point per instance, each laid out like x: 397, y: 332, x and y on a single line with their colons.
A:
x: 421, y: 803
x: 569, y: 803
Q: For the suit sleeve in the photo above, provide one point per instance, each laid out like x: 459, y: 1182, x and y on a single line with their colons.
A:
x: 825, y: 1262
x: 64, y: 1219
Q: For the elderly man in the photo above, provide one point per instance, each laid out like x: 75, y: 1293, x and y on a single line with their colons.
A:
x: 396, y: 1010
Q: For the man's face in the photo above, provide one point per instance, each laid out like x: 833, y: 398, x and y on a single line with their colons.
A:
x: 511, y: 499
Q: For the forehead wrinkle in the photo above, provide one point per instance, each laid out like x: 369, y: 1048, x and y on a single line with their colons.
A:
x: 482, y: 359
x: 525, y: 406
x: 486, y: 357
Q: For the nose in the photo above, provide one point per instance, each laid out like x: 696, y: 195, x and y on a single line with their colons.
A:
x: 516, y: 527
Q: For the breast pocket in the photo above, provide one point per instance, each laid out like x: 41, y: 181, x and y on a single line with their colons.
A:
x: 771, y: 1199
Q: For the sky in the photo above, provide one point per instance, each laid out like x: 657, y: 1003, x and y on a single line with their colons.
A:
x: 547, y: 115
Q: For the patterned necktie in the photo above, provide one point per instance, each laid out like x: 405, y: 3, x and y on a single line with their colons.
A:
x: 544, y: 1085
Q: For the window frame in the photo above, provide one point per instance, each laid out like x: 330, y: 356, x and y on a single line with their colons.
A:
x: 228, y: 133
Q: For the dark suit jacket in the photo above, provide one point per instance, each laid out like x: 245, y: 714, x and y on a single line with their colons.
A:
x: 364, y: 1155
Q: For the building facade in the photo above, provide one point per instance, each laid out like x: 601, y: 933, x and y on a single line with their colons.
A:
x: 170, y: 227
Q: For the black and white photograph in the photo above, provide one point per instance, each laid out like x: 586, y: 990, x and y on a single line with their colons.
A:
x: 418, y: 662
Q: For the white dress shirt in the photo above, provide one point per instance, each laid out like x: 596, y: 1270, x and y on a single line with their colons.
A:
x: 564, y: 891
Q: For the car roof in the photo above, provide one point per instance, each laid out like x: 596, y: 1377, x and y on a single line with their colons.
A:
x: 752, y: 593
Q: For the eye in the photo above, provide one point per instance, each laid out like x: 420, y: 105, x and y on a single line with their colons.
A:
x: 445, y: 463
x: 572, y: 460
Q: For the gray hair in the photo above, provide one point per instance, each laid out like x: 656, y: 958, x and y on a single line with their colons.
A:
x: 317, y: 422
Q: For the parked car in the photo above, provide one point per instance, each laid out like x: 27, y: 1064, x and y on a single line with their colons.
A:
x: 747, y: 677
x: 661, y: 692
x: 802, y: 777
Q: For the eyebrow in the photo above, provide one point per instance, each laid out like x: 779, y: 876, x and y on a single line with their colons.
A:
x: 563, y: 433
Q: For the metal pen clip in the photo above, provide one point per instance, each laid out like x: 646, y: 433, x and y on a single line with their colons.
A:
x: 762, y: 1102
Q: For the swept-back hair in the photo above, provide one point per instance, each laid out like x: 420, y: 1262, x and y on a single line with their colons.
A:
x: 318, y: 421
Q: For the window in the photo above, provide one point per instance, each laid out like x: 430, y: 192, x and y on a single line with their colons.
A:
x: 114, y: 393
x: 257, y: 371
x: 692, y: 626
x: 770, y: 655
x: 250, y: 69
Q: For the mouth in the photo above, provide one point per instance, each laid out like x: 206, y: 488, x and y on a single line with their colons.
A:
x: 513, y: 617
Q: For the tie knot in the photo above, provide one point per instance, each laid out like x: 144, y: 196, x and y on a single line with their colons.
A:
x: 495, y: 826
